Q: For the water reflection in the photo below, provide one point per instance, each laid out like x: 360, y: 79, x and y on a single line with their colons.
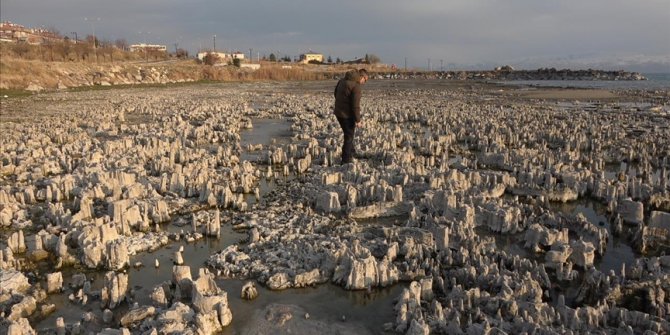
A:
x: 618, y: 251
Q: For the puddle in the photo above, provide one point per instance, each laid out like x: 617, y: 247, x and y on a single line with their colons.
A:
x: 195, y: 255
x: 638, y: 106
x: 511, y: 244
x: 264, y: 132
x: 137, y: 118
x: 143, y: 279
x: 389, y: 221
x: 618, y: 250
x: 264, y: 187
x: 326, y: 303
x: 612, y: 171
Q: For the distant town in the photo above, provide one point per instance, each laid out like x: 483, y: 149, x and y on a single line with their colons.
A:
x: 36, y: 59
x: 13, y: 33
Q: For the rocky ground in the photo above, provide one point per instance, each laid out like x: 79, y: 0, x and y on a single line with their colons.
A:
x: 37, y: 76
x: 455, y: 201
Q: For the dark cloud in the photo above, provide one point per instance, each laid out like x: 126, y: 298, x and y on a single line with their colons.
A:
x: 458, y: 31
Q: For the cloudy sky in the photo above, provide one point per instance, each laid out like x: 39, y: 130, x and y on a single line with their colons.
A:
x: 463, y: 32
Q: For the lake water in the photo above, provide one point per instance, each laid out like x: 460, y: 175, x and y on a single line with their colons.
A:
x: 655, y: 81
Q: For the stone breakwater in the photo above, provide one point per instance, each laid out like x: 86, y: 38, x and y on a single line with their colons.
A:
x: 510, y: 74
x: 566, y: 74
x: 90, y: 179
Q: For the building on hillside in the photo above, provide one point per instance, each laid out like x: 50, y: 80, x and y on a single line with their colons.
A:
x: 356, y: 61
x: 15, y: 33
x: 12, y: 32
x: 223, y: 56
x: 309, y: 57
x: 148, y: 47
x: 47, y: 36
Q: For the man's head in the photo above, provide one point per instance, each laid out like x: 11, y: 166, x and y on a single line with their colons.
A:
x: 363, y: 76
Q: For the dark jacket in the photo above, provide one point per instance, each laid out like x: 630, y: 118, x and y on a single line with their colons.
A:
x: 348, y: 97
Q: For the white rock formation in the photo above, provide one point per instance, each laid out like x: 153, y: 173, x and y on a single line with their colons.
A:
x: 114, y: 289
x: 13, y: 281
x: 328, y: 202
x: 137, y: 315
x: 54, y: 282
x: 20, y: 327
x: 249, y: 291
x: 631, y: 211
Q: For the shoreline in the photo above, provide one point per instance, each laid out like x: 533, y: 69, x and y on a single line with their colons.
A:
x: 21, y: 76
x: 522, y: 90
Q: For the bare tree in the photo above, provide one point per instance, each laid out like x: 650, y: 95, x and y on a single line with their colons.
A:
x: 106, y: 49
x: 21, y: 49
x: 53, y: 31
x: 92, y: 40
x: 181, y: 53
x: 210, y: 58
x: 83, y: 50
x: 50, y: 46
x: 63, y: 49
x: 373, y: 59
x: 121, y: 43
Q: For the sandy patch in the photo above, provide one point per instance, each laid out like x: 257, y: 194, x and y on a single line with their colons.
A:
x: 578, y: 94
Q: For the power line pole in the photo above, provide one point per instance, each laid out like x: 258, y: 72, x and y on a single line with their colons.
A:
x: 176, y: 45
x: 214, y: 37
x: 429, y: 67
x: 145, y: 46
x: 405, y: 64
x: 95, y: 42
x: 75, y: 36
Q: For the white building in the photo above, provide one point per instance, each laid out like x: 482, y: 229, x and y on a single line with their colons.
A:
x: 250, y: 66
x: 223, y: 57
x: 308, y: 57
x: 148, y: 47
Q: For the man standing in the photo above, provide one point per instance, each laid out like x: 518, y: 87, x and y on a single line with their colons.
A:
x: 348, y: 109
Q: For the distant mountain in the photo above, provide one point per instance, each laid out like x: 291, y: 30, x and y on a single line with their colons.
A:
x: 636, y: 63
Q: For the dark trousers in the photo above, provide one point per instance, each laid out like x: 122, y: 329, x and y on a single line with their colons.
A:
x: 349, y: 129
